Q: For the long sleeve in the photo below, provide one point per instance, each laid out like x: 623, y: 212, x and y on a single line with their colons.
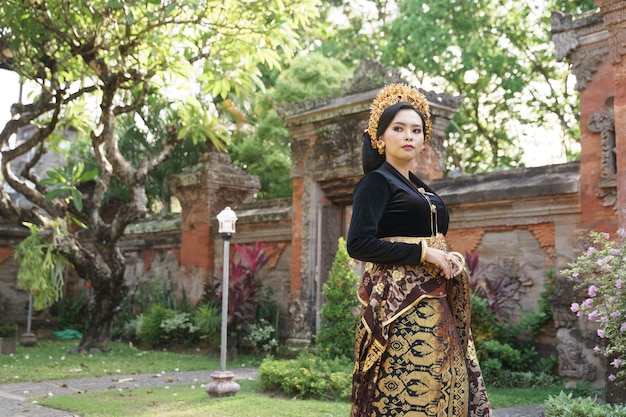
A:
x: 371, y: 199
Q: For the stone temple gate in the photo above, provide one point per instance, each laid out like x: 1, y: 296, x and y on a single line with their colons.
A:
x: 326, y: 165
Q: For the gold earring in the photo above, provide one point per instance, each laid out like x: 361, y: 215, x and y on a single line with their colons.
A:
x: 380, y: 145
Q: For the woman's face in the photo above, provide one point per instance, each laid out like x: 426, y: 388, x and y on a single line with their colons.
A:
x: 404, y: 138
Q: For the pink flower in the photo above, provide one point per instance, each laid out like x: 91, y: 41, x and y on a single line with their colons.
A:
x: 593, y: 315
x: 618, y: 283
x: 592, y: 291
x: 591, y: 250
x: 575, y: 274
x: 614, y: 252
x: 616, y: 363
x: 621, y: 232
x: 604, y: 319
x: 616, y: 313
x: 611, y: 377
x: 606, y: 235
x: 623, y: 327
x: 600, y: 333
x: 587, y: 303
x: 596, y: 348
x: 576, y: 307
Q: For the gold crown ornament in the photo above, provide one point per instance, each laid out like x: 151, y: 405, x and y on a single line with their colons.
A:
x: 393, y: 94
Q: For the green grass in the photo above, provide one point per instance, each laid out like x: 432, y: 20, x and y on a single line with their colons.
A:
x: 516, y: 397
x: 250, y: 401
x: 50, y: 360
x: 192, y: 400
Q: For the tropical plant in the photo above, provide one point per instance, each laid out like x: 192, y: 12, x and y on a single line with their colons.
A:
x: 41, y: 269
x: 92, y: 65
x: 244, y: 290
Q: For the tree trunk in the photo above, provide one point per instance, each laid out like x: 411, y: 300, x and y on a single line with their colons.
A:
x: 109, y: 290
x: 615, y: 391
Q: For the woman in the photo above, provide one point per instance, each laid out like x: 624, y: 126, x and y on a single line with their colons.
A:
x: 414, y: 355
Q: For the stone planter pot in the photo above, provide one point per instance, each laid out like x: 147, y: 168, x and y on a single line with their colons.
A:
x: 7, y: 345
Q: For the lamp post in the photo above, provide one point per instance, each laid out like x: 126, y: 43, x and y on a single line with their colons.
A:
x: 223, y: 384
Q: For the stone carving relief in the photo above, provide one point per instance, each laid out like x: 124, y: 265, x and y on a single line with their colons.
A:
x: 506, y: 278
x: 614, y: 14
x: 604, y: 123
x: 299, y: 319
x: 338, y: 144
x: 561, y: 301
x: 575, y: 341
x: 572, y: 361
x: 566, y: 36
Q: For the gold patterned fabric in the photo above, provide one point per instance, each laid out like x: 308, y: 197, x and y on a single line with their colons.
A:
x: 414, y: 354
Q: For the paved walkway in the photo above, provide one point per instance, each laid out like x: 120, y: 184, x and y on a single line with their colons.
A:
x: 16, y: 399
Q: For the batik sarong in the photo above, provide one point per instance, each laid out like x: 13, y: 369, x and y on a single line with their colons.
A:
x: 414, y: 354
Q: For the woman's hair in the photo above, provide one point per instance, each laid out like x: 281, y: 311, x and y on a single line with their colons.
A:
x: 370, y: 158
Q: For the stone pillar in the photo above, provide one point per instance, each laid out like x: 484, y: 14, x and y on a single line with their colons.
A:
x: 583, y: 43
x: 614, y: 14
x: 204, y: 190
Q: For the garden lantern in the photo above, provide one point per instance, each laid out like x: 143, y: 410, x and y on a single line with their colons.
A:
x: 223, y: 384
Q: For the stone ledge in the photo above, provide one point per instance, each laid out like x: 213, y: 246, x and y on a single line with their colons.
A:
x: 510, y: 184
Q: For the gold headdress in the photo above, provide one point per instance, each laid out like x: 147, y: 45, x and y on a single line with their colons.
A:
x: 393, y: 94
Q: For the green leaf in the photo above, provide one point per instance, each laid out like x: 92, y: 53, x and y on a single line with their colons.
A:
x: 114, y: 4
x: 77, y: 199
x: 51, y: 195
x: 88, y: 176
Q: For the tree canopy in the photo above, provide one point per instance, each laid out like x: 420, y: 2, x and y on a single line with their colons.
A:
x: 498, y: 55
x: 163, y: 67
x: 265, y: 150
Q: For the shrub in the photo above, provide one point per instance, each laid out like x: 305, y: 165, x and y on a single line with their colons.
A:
x: 566, y: 406
x: 499, y: 378
x: 308, y: 376
x: 179, y: 328
x: 259, y: 337
x: 207, y: 317
x: 150, y: 332
x: 339, y: 314
x: 137, y: 303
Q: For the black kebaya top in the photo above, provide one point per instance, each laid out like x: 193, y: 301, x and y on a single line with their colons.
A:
x: 386, y: 204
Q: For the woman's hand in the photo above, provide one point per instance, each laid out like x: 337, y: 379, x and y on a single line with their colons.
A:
x: 451, y: 263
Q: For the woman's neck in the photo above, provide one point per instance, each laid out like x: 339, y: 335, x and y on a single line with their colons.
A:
x: 401, y: 166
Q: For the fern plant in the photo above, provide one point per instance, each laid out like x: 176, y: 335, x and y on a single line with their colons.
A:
x: 41, y: 267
